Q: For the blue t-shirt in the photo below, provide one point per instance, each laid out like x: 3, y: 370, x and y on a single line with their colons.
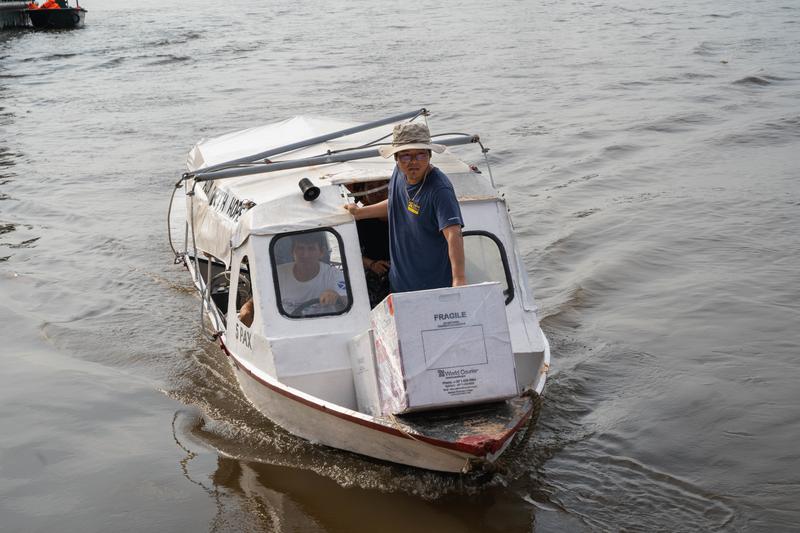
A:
x: 417, y: 246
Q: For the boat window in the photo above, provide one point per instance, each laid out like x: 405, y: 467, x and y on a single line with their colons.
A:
x: 219, y: 289
x: 245, y: 309
x: 310, y: 274
x: 486, y: 260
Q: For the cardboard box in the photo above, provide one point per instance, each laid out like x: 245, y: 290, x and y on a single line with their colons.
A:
x: 443, y: 347
x: 362, y: 361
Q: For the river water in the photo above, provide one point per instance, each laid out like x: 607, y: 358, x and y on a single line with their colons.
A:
x: 650, y: 156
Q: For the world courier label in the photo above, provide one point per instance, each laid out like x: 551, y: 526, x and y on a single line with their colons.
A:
x: 456, y: 352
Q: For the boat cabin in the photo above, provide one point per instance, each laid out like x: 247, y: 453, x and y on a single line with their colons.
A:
x: 254, y: 231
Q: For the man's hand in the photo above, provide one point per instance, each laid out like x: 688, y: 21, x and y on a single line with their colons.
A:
x: 379, y: 210
x: 459, y: 281
x: 379, y: 267
x: 328, y: 297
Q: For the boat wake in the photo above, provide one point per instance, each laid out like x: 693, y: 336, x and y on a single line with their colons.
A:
x: 576, y: 465
x: 221, y: 420
x: 605, y: 491
x: 263, y: 447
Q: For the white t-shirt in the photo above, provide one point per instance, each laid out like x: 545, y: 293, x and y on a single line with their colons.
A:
x: 294, y: 293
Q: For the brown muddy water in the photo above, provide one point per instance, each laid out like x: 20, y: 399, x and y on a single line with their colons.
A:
x: 651, y: 159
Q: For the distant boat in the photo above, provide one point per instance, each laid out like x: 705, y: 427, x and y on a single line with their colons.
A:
x: 13, y: 14
x: 64, y: 17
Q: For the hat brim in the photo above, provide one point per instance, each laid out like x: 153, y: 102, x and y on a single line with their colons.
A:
x: 389, y: 151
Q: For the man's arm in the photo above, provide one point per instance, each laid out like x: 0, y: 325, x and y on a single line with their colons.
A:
x: 379, y: 210
x: 455, y: 249
x: 246, y: 313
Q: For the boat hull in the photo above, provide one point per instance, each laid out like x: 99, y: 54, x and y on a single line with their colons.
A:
x: 337, y: 427
x: 447, y: 444
x: 45, y: 19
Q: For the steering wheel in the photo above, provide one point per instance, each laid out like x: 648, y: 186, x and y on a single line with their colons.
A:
x: 221, y: 282
x: 298, y: 311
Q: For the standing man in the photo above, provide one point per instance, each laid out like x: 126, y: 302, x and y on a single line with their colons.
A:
x: 373, y: 234
x: 425, y: 241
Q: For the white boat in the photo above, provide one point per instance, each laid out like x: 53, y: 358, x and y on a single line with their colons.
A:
x: 246, y: 191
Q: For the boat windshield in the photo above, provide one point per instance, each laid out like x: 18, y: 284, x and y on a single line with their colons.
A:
x: 485, y: 260
x: 310, y: 274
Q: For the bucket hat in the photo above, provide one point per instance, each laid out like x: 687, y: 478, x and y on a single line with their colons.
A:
x: 410, y: 136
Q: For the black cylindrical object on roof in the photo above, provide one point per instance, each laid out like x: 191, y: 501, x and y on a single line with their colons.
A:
x: 310, y: 191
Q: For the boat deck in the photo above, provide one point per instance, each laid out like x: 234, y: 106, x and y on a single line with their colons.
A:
x: 484, y: 426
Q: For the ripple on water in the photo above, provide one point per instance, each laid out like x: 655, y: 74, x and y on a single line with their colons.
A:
x: 678, y: 123
x: 575, y: 465
x: 616, y: 492
x: 574, y: 181
x: 169, y: 59
x: 707, y: 49
x: 111, y: 63
x: 775, y: 132
x: 753, y: 81
x: 7, y: 157
x: 177, y: 40
x: 49, y: 57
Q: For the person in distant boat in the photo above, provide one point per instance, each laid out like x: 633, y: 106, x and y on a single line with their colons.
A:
x: 373, y: 234
x: 308, y: 284
x: 425, y: 241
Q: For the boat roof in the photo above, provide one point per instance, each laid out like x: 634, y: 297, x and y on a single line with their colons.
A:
x: 271, y: 202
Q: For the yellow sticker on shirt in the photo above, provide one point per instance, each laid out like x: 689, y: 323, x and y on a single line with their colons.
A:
x: 413, y: 207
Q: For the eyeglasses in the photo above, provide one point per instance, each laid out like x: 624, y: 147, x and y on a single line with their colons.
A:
x: 406, y: 158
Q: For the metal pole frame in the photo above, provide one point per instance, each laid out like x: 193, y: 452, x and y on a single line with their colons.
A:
x: 315, y: 140
x: 262, y: 168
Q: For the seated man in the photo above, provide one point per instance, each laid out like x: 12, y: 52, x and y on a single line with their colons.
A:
x: 308, y: 283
